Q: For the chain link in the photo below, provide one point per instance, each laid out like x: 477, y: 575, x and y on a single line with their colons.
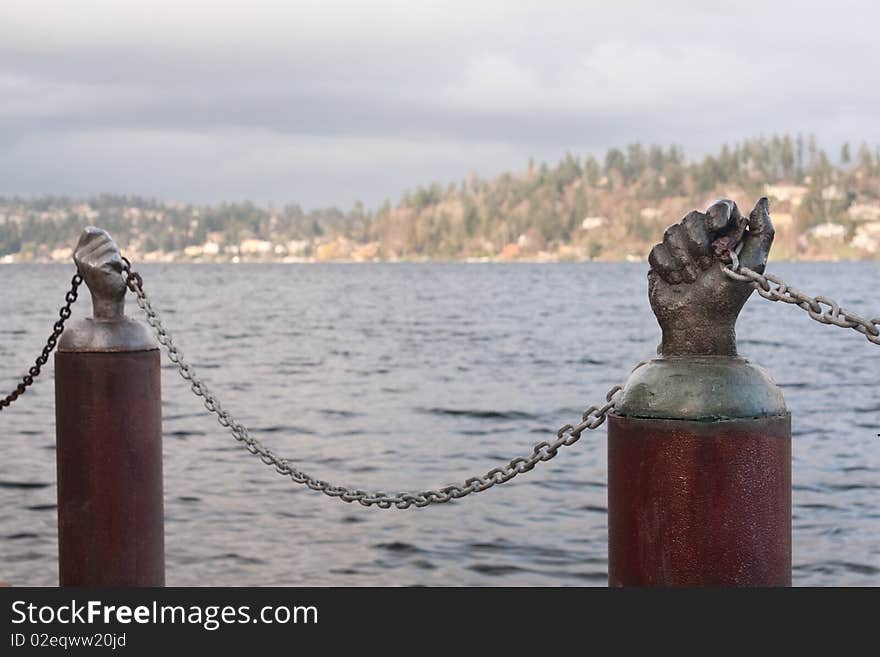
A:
x: 567, y: 435
x: 775, y: 289
x: 43, y: 358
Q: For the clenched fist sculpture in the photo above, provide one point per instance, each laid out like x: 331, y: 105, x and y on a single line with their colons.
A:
x: 99, y: 262
x: 695, y: 303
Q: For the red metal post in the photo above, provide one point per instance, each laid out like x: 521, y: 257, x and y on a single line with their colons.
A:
x: 699, y: 444
x: 699, y: 476
x: 110, y: 505
x: 696, y: 503
x: 108, y: 413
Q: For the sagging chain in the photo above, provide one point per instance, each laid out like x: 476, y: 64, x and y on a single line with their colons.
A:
x: 566, y: 436
x: 51, y: 342
x: 775, y: 289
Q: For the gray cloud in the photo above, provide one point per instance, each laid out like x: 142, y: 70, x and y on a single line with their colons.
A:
x: 328, y: 102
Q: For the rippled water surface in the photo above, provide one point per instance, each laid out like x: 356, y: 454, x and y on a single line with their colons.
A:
x: 406, y: 376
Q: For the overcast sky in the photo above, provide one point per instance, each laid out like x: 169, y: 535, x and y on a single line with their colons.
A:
x: 327, y: 102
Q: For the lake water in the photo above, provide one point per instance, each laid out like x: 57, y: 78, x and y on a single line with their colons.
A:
x: 408, y: 376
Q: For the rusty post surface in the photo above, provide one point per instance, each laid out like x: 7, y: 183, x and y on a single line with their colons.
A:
x: 697, y: 503
x: 110, y: 502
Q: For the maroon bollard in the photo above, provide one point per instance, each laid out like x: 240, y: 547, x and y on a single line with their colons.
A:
x: 699, y: 443
x: 694, y: 499
x: 109, y: 435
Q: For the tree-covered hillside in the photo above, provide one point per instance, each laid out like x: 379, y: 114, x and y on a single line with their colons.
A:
x: 612, y: 207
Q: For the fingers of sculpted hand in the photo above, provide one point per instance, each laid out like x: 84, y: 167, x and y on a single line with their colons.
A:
x: 693, y: 245
x: 96, y: 250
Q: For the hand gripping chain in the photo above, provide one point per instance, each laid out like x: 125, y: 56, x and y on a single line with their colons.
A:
x: 782, y: 291
x: 567, y: 435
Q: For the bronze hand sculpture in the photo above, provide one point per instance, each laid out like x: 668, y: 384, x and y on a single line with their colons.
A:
x: 695, y: 303
x: 99, y: 262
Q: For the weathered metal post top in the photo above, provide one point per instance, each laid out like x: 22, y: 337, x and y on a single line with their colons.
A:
x: 697, y: 307
x: 109, y: 433
x: 699, y: 443
x: 99, y: 261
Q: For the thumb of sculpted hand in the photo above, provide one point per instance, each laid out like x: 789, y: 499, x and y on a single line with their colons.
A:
x: 759, y: 237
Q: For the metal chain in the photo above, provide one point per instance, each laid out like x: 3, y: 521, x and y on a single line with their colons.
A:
x: 782, y: 291
x: 567, y: 435
x: 43, y: 358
